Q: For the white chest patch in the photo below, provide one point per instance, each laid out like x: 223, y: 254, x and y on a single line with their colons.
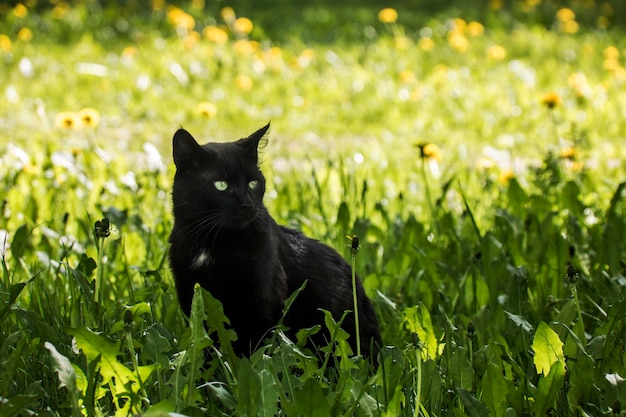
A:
x: 202, y: 259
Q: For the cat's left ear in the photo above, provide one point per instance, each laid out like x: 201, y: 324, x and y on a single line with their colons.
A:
x: 185, y: 147
x: 256, y: 141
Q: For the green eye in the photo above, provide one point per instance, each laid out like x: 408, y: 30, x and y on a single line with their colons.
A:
x: 253, y: 184
x: 221, y: 185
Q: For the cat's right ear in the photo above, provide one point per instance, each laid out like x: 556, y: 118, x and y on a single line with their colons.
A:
x: 185, y: 147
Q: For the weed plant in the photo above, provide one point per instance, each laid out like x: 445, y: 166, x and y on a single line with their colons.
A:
x: 479, y: 172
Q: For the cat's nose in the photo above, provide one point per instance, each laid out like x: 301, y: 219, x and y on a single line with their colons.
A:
x: 247, y: 203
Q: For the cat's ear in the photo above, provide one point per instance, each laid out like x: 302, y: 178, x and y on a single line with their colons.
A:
x: 185, y: 147
x: 256, y: 141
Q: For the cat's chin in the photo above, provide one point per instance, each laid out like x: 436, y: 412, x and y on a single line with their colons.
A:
x: 242, y: 221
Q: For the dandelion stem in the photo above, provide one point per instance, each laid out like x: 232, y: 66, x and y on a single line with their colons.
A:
x: 355, y: 300
x: 428, y: 197
x: 418, y: 394
x: 580, y: 316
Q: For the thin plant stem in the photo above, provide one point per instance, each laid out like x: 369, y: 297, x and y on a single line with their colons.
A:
x: 355, y: 301
x: 418, y: 394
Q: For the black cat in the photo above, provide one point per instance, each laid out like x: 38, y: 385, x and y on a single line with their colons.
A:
x: 224, y: 239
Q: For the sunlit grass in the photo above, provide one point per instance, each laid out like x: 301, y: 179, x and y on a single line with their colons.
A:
x: 479, y: 168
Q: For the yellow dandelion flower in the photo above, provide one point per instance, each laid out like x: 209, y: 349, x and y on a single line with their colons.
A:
x: 20, y: 11
x: 197, y: 4
x: 611, y: 64
x: 496, y: 52
x: 458, y: 41
x: 275, y: 52
x: 245, y: 47
x: 496, y: 4
x: 551, y: 100
x: 243, y: 82
x: 25, y: 34
x: 459, y: 24
x: 60, y: 10
x: 620, y: 74
x: 228, y: 14
x: 129, y: 52
x: 568, y: 153
x: 610, y: 52
x: 206, y: 109
x: 215, y: 34
x: 565, y: 14
x: 407, y: 77
x: 571, y: 26
x: 475, y: 29
x: 75, y: 151
x: 5, y: 43
x: 426, y: 44
x: 89, y: 117
x: 191, y: 39
x: 67, y: 120
x: 401, y: 42
x: 158, y: 4
x: 505, y: 176
x: 29, y: 168
x: 578, y: 82
x: 243, y: 26
x: 388, y: 15
x: 179, y: 19
x: 484, y: 164
x: 430, y: 151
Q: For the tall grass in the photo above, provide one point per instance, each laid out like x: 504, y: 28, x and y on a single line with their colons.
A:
x: 489, y: 216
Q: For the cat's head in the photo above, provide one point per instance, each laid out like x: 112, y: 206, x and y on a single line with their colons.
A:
x: 217, y: 185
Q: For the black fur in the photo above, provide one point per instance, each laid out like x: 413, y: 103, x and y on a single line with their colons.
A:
x: 228, y: 243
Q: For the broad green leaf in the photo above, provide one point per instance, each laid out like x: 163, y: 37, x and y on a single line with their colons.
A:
x: 417, y: 320
x: 19, y: 242
x: 517, y: 197
x: 473, y: 407
x: 396, y: 403
x: 218, y: 322
x: 519, y: 321
x: 97, y: 348
x: 548, y: 349
x: 494, y: 390
x: 310, y: 401
x: 63, y: 367
x: 248, y: 390
x: 548, y: 388
x: 269, y: 389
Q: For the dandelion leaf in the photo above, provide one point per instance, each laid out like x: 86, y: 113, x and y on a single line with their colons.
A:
x: 63, y: 367
x: 310, y: 401
x: 548, y: 349
x: 218, y: 322
x: 473, y: 407
x: 494, y: 390
x: 249, y: 390
x: 417, y: 320
x: 548, y: 388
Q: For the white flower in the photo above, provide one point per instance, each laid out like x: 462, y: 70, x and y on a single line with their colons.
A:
x: 614, y: 379
x: 154, y: 162
x: 64, y: 159
x: 129, y: 180
x: 4, y: 242
x: 16, y: 157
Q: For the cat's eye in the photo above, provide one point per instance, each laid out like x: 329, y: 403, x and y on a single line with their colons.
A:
x: 221, y: 185
x: 253, y: 184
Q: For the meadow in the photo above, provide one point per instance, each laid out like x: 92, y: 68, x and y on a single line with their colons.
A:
x: 477, y: 154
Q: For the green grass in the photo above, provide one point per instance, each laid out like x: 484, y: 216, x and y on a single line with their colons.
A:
x: 496, y: 265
